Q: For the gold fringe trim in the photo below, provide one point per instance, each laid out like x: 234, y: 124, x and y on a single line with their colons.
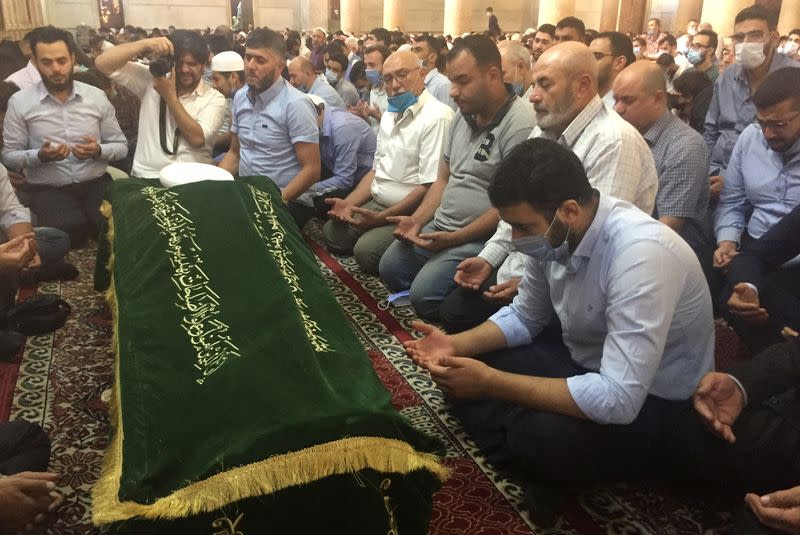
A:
x: 344, y: 456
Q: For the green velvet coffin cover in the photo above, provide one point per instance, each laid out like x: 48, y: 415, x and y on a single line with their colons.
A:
x: 243, y: 401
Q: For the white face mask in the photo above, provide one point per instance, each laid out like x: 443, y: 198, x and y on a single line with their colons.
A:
x: 790, y: 48
x: 750, y: 55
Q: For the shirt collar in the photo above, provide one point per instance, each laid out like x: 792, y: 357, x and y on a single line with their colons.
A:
x: 268, y: 94
x: 415, y: 108
x: 586, y: 246
x: 655, y: 131
x: 428, y: 77
x: 579, y: 123
x: 43, y: 93
x: 511, y: 97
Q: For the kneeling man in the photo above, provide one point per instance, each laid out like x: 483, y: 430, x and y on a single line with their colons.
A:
x: 637, y: 330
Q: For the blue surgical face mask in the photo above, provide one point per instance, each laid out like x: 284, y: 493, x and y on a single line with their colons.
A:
x: 403, y: 101
x: 539, y: 248
x: 373, y: 76
x: 363, y: 94
x: 694, y: 56
x: 636, y: 50
x: 331, y: 76
x: 518, y: 88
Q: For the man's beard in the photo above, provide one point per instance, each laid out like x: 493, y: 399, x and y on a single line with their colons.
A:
x: 58, y: 86
x: 263, y: 83
x: 558, y: 113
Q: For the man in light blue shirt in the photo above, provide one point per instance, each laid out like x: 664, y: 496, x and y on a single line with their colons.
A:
x: 429, y: 51
x: 274, y: 125
x: 303, y: 77
x: 732, y: 109
x: 347, y: 148
x: 637, y: 330
x: 62, y: 133
x: 763, y: 178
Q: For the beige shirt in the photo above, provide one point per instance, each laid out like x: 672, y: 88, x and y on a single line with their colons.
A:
x: 409, y: 148
x: 205, y: 105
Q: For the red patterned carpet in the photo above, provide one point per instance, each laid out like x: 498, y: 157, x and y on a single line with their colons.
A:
x: 59, y: 379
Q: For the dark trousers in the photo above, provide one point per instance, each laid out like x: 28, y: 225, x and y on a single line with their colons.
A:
x: 464, y: 309
x: 548, y: 447
x: 74, y: 208
x: 24, y: 447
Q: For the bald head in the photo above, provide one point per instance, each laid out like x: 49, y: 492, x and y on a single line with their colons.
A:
x: 401, y: 73
x: 301, y: 73
x: 564, y: 83
x: 573, y: 58
x: 641, y: 94
x: 647, y: 74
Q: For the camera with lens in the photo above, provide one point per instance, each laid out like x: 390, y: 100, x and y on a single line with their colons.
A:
x: 162, y: 66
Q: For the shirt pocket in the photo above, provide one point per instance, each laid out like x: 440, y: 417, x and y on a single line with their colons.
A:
x: 402, y: 163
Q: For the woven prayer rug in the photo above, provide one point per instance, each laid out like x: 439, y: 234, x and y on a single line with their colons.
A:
x: 59, y: 380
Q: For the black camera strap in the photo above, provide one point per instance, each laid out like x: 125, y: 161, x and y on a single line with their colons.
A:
x: 162, y: 130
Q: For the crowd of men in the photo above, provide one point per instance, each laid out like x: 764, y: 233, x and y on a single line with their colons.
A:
x: 572, y: 207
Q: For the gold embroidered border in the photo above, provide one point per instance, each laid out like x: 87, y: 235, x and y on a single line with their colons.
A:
x: 200, y: 303
x: 267, y: 223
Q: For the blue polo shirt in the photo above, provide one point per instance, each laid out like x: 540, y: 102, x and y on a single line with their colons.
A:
x: 268, y: 125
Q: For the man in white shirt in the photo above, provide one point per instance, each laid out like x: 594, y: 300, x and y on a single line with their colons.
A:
x: 180, y: 113
x: 617, y: 160
x: 410, y: 142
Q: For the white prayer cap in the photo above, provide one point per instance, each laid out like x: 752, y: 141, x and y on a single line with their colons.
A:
x: 530, y: 31
x: 403, y: 48
x: 228, y: 61
x: 180, y: 173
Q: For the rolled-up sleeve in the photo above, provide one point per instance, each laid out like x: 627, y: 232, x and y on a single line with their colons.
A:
x: 531, y: 309
x: 11, y: 211
x: 210, y: 117
x: 644, y: 284
x: 302, y: 121
x: 431, y: 144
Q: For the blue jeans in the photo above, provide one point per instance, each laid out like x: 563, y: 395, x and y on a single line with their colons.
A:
x: 429, y: 275
x: 53, y: 244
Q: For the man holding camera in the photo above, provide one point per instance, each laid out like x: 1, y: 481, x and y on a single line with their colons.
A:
x: 179, y: 113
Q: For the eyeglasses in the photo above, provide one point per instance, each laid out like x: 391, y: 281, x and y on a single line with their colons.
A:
x: 698, y: 46
x: 774, y: 125
x: 400, y: 76
x: 599, y: 55
x: 749, y: 37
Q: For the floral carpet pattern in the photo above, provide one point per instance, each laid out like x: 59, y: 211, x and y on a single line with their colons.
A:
x: 59, y: 379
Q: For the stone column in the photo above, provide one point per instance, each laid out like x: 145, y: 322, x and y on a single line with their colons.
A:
x: 609, y: 15
x: 721, y: 14
x: 552, y: 11
x: 687, y: 10
x: 394, y: 14
x: 790, y: 17
x: 457, y: 17
x: 350, y: 13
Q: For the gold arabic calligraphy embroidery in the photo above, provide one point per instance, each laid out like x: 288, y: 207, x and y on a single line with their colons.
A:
x: 267, y: 220
x: 200, y: 304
